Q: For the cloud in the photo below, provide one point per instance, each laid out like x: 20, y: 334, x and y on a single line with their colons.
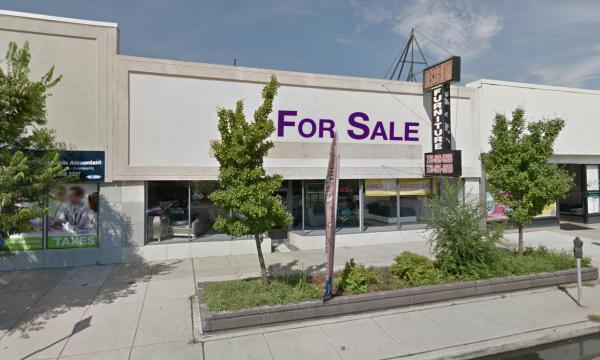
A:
x: 460, y: 27
x: 583, y: 65
x: 342, y: 40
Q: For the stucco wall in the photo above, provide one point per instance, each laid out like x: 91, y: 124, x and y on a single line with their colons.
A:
x: 167, y: 119
x: 578, y: 107
x: 80, y: 106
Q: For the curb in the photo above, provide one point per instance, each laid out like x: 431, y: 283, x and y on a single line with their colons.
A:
x: 510, y: 343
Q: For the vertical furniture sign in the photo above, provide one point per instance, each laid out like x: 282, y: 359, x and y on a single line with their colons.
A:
x: 443, y: 160
x: 331, y: 194
x: 441, y: 135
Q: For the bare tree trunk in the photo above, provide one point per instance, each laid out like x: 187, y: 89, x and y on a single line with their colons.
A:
x: 263, y: 269
x: 520, y: 248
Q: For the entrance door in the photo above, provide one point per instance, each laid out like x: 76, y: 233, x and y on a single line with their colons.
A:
x: 573, y: 206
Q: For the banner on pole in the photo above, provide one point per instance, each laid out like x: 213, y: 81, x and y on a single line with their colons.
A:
x: 331, y: 197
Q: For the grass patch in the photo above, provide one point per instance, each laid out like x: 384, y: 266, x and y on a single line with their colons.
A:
x: 250, y: 293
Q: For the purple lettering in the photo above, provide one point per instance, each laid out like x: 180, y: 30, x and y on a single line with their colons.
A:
x: 408, y: 130
x: 282, y: 123
x: 356, y: 124
x: 392, y: 132
x: 313, y: 127
x: 379, y: 131
x: 326, y: 125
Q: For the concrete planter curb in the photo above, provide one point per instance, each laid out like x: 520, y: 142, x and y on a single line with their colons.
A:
x: 352, y: 304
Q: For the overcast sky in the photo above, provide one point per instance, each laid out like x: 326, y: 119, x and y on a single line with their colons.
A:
x: 547, y: 42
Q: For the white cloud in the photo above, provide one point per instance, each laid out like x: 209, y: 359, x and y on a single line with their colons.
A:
x: 461, y: 27
x: 584, y: 65
x: 342, y: 40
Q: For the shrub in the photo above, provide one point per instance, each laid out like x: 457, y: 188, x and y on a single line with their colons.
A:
x: 462, y: 243
x: 355, y: 278
x: 414, y: 270
x: 534, y: 260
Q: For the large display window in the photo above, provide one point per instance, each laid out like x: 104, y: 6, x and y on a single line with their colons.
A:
x: 71, y: 222
x: 391, y: 203
x: 181, y: 210
x: 592, y: 189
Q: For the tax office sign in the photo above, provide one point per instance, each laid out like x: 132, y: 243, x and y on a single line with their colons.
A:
x: 442, y: 160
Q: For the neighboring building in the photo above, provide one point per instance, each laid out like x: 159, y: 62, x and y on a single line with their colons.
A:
x: 155, y: 121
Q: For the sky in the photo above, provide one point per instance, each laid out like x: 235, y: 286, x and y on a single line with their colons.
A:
x: 552, y: 42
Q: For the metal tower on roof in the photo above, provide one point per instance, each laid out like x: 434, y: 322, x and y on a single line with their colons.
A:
x: 411, y: 61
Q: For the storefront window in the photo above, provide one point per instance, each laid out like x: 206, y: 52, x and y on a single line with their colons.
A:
x: 73, y: 217
x: 391, y: 203
x: 381, y: 210
x: 167, y: 213
x: 295, y: 207
x: 348, y: 211
x: 204, y: 211
x: 572, y: 203
x: 412, y: 196
x: 593, y: 190
x: 314, y: 205
x: 72, y: 221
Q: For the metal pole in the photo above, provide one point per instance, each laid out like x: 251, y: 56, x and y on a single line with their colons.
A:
x: 398, y: 224
x: 579, y: 281
x: 303, y: 210
x: 361, y: 205
x: 189, y: 210
x: 578, y: 253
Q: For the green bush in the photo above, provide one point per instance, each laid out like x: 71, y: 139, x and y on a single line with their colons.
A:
x: 534, y: 260
x: 462, y: 243
x: 355, y: 278
x: 414, y: 270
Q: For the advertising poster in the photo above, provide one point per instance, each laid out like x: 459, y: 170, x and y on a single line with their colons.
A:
x: 28, y: 241
x: 497, y: 211
x: 387, y: 187
x: 415, y: 187
x: 73, y: 217
x: 593, y: 193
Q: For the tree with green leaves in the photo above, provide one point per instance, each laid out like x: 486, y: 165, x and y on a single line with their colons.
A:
x: 244, y: 188
x: 27, y: 175
x: 518, y: 170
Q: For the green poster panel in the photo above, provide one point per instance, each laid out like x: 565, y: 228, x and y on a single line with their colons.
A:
x: 72, y: 241
x: 24, y: 243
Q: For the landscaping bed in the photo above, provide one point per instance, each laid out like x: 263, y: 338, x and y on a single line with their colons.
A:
x: 411, y: 280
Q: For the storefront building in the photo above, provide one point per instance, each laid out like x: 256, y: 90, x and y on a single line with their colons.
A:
x: 155, y: 120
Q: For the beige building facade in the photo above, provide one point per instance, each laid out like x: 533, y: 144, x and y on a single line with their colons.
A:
x: 155, y: 121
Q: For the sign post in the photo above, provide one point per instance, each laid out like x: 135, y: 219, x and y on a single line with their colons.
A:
x: 331, y: 197
x: 443, y: 160
x: 578, y: 253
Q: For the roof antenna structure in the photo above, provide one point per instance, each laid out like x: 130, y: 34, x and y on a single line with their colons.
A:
x: 411, y: 55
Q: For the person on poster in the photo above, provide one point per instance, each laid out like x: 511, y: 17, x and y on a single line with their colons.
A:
x: 59, y: 215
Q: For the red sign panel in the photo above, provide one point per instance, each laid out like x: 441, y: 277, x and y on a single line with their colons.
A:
x: 441, y: 73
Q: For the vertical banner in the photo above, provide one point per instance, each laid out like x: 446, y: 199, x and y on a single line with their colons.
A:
x: 331, y: 195
x: 441, y: 133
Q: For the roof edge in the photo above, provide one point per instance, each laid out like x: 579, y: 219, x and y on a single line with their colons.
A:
x: 481, y: 82
x: 57, y: 18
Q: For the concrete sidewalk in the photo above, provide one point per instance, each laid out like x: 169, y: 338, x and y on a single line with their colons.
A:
x: 147, y: 311
x: 460, y: 329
